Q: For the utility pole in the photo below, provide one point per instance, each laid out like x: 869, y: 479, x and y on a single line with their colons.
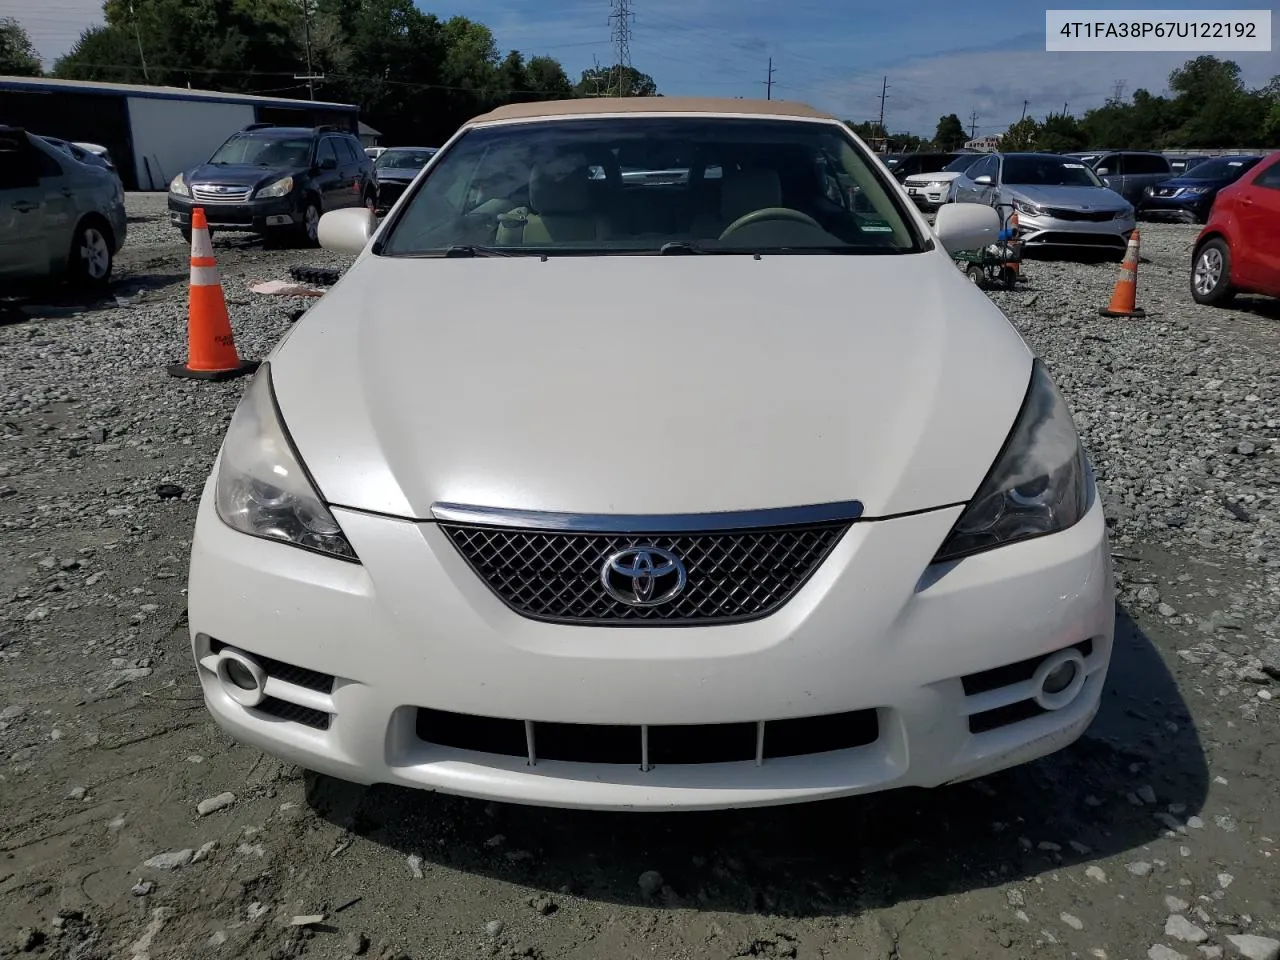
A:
x: 138, y: 36
x: 1024, y: 109
x: 1064, y: 109
x: 884, y: 95
x: 768, y: 84
x: 311, y: 76
x: 973, y: 125
x: 620, y: 18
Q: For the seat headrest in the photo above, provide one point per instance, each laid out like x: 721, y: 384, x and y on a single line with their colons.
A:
x: 559, y: 190
x: 751, y: 190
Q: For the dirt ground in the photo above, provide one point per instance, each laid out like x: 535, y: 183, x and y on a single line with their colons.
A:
x: 1155, y: 832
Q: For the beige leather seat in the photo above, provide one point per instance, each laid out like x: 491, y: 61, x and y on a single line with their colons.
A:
x: 560, y: 208
x: 740, y: 194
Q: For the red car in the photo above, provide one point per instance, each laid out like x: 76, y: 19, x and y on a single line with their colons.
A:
x: 1238, y: 251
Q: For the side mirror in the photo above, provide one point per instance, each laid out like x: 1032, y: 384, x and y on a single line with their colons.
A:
x: 328, y: 163
x: 963, y: 226
x: 984, y: 180
x: 1102, y: 171
x: 347, y: 230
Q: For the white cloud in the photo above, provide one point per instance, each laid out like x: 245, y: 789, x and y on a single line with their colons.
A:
x: 994, y: 82
x: 53, y: 28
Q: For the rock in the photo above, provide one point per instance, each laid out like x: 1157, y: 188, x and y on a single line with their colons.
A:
x: 169, y: 491
x: 308, y: 920
x: 1180, y: 928
x: 77, y: 793
x: 1270, y: 657
x: 1225, y: 880
x: 650, y: 882
x: 1139, y: 869
x: 1075, y: 923
x: 415, y: 866
x: 1096, y: 873
x: 205, y: 851
x: 1161, y: 952
x: 214, y: 804
x: 544, y: 905
x: 142, y: 888
x: 494, y: 928
x: 356, y: 944
x: 170, y: 861
x: 1165, y: 610
x: 1147, y: 794
x: 1252, y: 947
x: 1195, y: 823
x: 1174, y: 904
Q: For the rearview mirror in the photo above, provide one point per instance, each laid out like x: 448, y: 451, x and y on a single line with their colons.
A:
x: 984, y: 180
x: 347, y: 230
x: 963, y: 226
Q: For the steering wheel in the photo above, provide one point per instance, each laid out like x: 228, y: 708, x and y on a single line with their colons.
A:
x: 769, y: 213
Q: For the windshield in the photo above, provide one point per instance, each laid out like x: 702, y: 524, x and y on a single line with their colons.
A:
x: 404, y: 159
x: 610, y: 186
x: 1220, y: 168
x: 961, y: 164
x: 1048, y: 172
x: 265, y: 151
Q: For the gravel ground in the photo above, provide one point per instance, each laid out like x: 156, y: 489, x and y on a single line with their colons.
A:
x: 131, y: 828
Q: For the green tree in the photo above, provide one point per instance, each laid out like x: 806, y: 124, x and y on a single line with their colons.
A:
x: 616, y: 81
x: 1212, y: 107
x: 1060, y: 133
x: 18, y: 57
x: 1021, y: 135
x: 950, y: 134
x: 547, y: 79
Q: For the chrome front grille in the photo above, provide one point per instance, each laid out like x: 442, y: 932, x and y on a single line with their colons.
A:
x: 733, y: 573
x: 214, y: 193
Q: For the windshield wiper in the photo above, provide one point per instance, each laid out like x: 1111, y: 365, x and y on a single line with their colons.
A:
x: 680, y: 247
x: 470, y: 250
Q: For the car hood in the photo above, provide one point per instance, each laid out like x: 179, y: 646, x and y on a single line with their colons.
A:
x: 398, y: 176
x: 939, y: 177
x: 651, y: 385
x: 1076, y: 198
x: 239, y: 174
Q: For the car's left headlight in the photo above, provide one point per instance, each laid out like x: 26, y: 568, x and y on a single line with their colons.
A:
x: 277, y: 188
x: 1124, y: 213
x: 1038, y: 485
x: 263, y: 489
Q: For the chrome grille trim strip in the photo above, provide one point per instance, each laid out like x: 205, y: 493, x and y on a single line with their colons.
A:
x: 844, y: 511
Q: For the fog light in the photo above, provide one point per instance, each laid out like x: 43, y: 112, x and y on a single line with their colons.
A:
x: 243, y: 679
x: 1059, y: 679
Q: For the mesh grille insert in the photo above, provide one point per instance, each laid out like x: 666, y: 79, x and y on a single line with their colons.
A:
x: 733, y: 576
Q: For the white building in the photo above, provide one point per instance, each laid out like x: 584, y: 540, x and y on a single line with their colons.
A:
x: 153, y: 133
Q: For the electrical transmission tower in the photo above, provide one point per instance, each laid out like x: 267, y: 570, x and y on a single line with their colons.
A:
x: 1117, y: 93
x: 620, y: 19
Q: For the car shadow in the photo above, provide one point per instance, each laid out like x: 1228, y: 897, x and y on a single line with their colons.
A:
x: 841, y: 856
x: 47, y: 302
x: 1259, y: 306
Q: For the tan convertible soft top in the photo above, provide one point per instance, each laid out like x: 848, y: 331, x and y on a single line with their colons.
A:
x: 598, y: 105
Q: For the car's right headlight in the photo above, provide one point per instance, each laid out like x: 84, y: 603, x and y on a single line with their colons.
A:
x: 276, y: 188
x: 179, y: 186
x: 263, y: 489
x: 1038, y: 485
x: 1028, y: 208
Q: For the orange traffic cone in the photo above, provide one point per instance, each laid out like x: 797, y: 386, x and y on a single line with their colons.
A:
x: 1124, y: 299
x: 211, y: 348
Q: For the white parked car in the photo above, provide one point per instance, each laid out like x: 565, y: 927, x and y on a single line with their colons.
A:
x: 929, y: 190
x: 617, y: 494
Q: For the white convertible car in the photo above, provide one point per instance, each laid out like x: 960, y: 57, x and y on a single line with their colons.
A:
x: 616, y: 493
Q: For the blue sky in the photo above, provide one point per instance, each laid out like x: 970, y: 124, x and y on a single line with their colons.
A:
x: 940, y: 56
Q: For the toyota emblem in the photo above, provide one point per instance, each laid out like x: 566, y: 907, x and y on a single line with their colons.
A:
x: 643, y: 576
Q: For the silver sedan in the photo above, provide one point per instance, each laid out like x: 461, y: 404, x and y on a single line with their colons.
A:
x: 1060, y: 202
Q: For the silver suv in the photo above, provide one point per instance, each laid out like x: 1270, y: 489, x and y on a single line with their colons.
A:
x: 59, y: 218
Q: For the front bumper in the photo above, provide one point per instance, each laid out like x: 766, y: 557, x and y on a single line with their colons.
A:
x: 1054, y: 233
x: 1191, y: 209
x: 356, y: 651
x: 927, y: 195
x: 257, y: 216
x: 388, y: 192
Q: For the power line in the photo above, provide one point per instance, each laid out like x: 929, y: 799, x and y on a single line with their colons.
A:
x: 620, y: 18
